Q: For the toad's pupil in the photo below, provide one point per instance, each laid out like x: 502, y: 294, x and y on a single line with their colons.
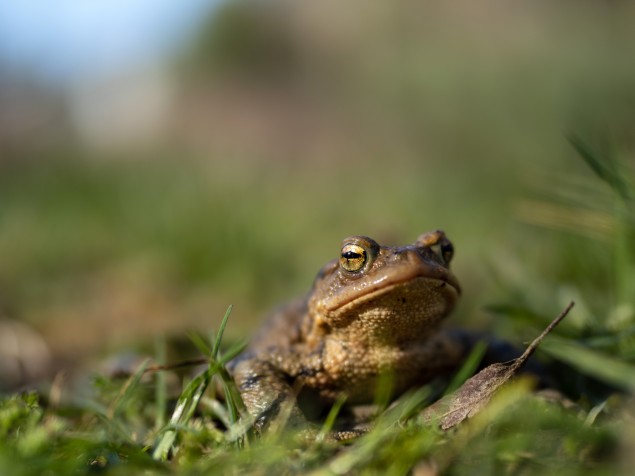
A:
x: 351, y: 255
x: 448, y: 251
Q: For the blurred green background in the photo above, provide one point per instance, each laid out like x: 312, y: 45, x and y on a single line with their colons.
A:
x: 143, y: 199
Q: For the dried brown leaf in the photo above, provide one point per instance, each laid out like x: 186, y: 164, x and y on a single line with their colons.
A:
x: 477, y: 391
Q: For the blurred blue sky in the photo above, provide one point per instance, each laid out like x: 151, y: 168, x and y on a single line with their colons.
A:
x: 66, y: 39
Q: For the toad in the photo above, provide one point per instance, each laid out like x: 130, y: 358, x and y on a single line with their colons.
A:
x: 374, y: 311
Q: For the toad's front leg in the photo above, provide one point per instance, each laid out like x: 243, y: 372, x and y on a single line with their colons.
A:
x: 267, y: 390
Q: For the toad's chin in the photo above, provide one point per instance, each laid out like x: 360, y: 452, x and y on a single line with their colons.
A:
x: 420, y: 285
x: 419, y: 301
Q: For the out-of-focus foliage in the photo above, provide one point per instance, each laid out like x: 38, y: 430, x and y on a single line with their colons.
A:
x: 291, y: 125
x: 252, y: 40
x: 146, y: 203
x: 494, y: 81
x: 119, y: 427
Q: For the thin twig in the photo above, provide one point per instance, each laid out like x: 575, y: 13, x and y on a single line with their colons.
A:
x: 178, y: 365
x: 536, y: 342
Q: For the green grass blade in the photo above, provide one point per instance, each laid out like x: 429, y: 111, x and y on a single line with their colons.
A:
x: 468, y: 368
x: 127, y: 390
x: 606, y: 368
x: 232, y: 352
x: 161, y: 383
x: 221, y: 331
x: 327, y: 426
x: 194, y: 391
x: 384, y: 390
x: 603, y: 168
x: 201, y: 344
x: 185, y: 407
x: 232, y: 394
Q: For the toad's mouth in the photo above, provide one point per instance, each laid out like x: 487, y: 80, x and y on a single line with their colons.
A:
x: 440, y: 283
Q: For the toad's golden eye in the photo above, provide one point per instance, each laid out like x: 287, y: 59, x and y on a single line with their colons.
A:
x: 353, y: 257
